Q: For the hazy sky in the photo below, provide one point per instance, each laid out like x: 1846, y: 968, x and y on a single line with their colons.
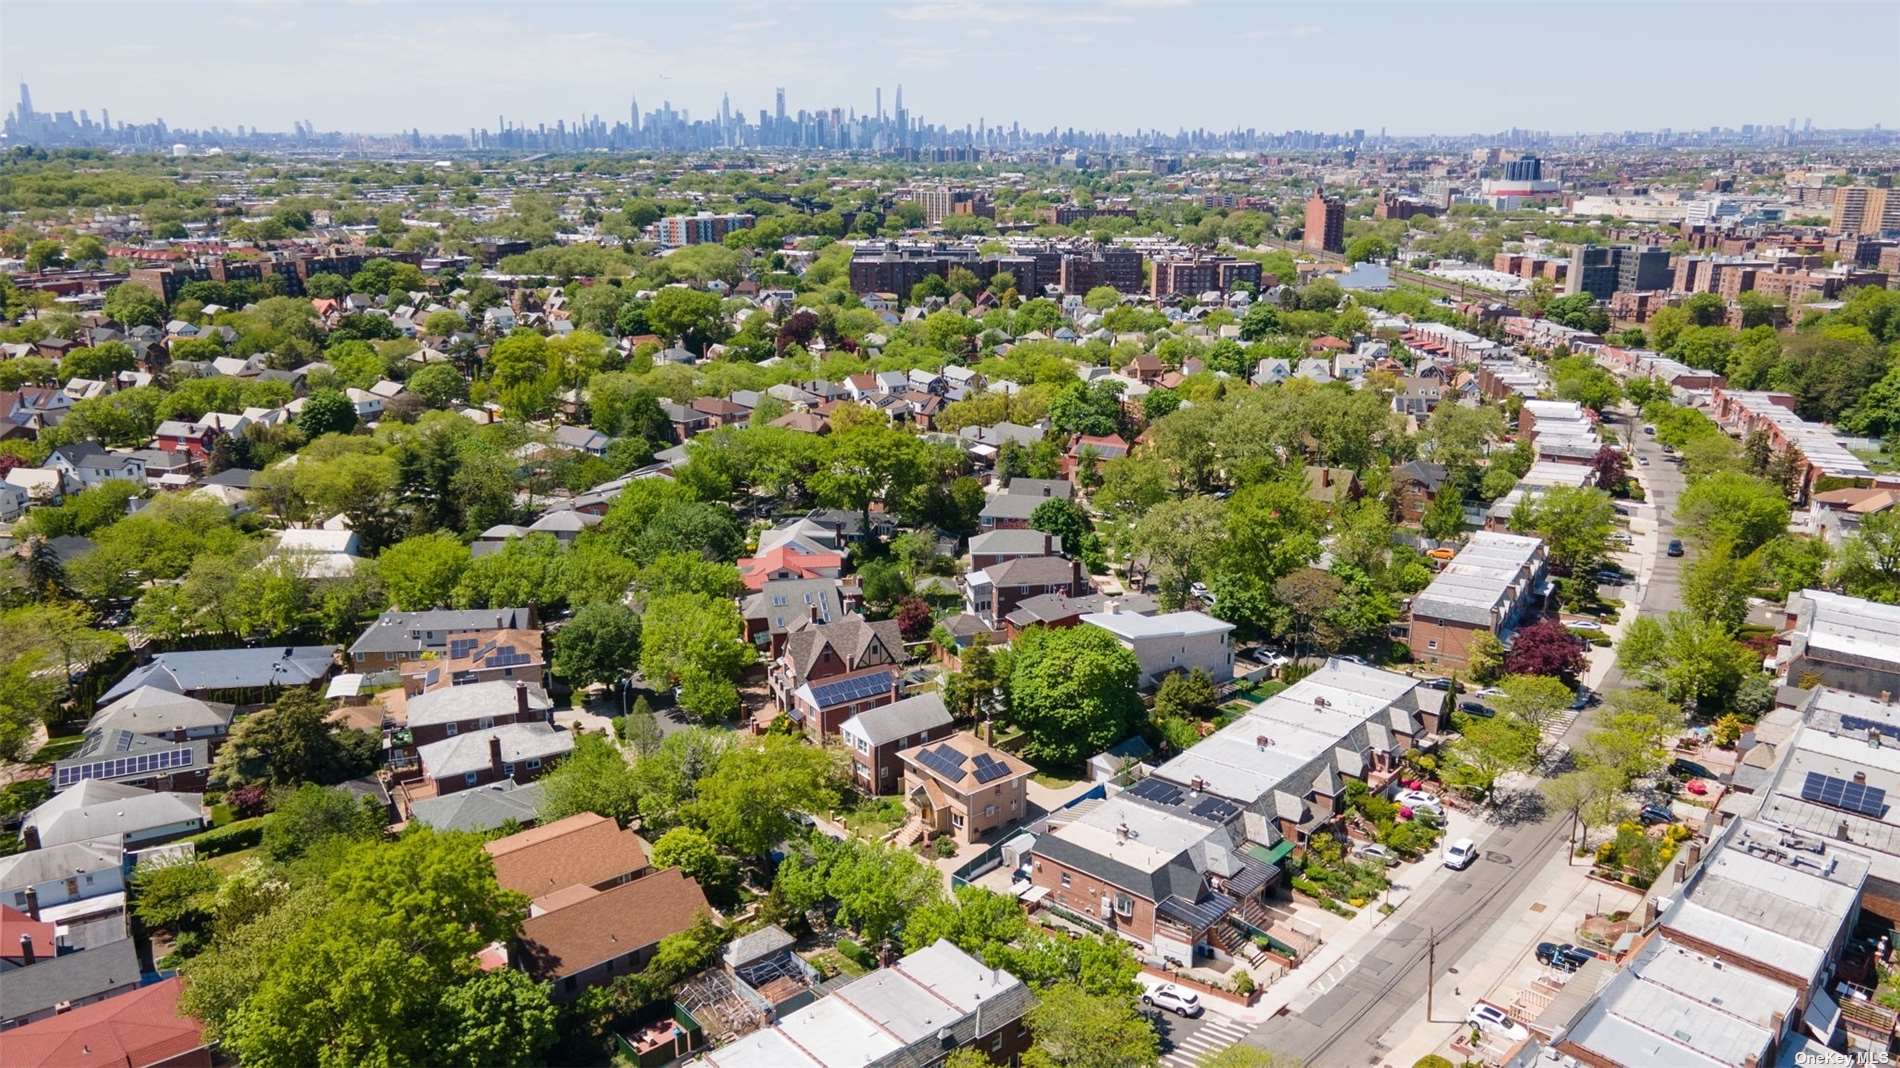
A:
x: 1107, y: 64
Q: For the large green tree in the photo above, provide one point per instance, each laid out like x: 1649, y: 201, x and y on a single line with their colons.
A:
x: 1072, y: 691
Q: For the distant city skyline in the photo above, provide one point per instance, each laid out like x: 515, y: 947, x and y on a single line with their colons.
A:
x: 1115, y: 65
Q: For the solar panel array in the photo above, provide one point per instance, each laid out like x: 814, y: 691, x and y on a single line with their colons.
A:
x: 1840, y: 793
x: 505, y: 656
x: 461, y: 647
x: 857, y: 688
x: 943, y: 760
x: 988, y: 768
x: 124, y: 767
x: 1159, y: 791
x: 1861, y: 723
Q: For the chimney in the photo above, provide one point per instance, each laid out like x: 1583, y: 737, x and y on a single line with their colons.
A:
x: 814, y: 614
x: 1325, y: 476
x: 1695, y: 852
x: 1048, y: 544
x: 1682, y: 872
x: 1886, y: 697
x: 1649, y: 913
x: 521, y: 700
x: 30, y: 835
x: 494, y: 754
x: 1841, y: 831
x: 33, y: 904
x: 26, y: 948
x: 1860, y: 778
x: 1113, y: 607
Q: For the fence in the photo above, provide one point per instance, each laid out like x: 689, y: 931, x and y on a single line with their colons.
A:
x: 985, y: 862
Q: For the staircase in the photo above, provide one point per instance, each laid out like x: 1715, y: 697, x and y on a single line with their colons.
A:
x: 912, y: 832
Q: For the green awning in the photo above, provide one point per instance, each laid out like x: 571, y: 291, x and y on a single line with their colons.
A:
x: 1269, y: 856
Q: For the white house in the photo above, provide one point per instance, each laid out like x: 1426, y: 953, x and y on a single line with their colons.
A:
x: 1171, y: 641
x: 61, y: 874
x: 84, y: 464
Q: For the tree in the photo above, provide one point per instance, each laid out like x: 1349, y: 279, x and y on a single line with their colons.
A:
x: 1067, y: 521
x: 1547, y: 647
x: 421, y: 572
x: 1575, y: 523
x: 980, y: 922
x: 913, y: 619
x: 132, y: 305
x: 439, y: 385
x: 293, y: 742
x: 1076, y: 1029
x: 1631, y: 736
x: 1101, y: 298
x: 1087, y: 408
x: 691, y: 638
x: 310, y: 814
x: 749, y: 802
x: 1485, y: 658
x: 875, y: 886
x: 1305, y: 600
x: 1487, y: 748
x: 1072, y: 691
x: 1717, y: 584
x: 45, y: 254
x: 677, y: 957
x: 1609, y: 469
x: 691, y: 317
x: 377, y: 965
x: 1260, y: 321
x: 1585, y: 793
x: 1186, y: 694
x: 600, y: 644
x: 1869, y: 561
x: 1730, y: 505
x: 1181, y: 539
x: 1444, y: 519
x: 1369, y: 247
x: 1537, y: 700
x: 326, y: 411
x: 871, y: 462
x: 689, y: 850
x: 593, y: 778
x: 1692, y: 661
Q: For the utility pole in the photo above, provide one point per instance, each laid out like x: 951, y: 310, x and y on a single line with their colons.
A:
x: 1431, y: 968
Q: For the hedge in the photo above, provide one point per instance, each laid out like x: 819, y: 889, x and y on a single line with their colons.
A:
x: 243, y: 834
x: 855, y: 953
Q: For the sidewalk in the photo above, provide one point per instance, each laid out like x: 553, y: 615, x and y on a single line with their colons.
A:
x: 1501, y: 964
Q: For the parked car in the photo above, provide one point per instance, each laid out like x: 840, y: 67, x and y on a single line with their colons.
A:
x: 1375, y: 851
x: 1495, y: 1021
x: 1440, y: 683
x: 1476, y: 708
x: 1650, y: 430
x: 1564, y: 957
x: 1583, y: 624
x: 1417, y: 799
x: 1174, y: 999
x: 1654, y: 815
x: 1460, y: 854
x: 1642, y: 461
x: 1675, y: 547
x: 1201, y: 592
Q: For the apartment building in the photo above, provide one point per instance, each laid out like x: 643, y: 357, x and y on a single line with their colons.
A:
x: 1831, y: 639
x: 1861, y: 209
x: 1325, y: 223
x: 1193, y: 275
x: 702, y: 228
x: 1493, y: 584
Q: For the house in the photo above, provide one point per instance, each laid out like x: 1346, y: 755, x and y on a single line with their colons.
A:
x: 595, y: 936
x: 481, y: 810
x: 685, y: 421
x: 788, y: 562
x: 994, y: 592
x: 963, y: 788
x: 1286, y: 760
x: 398, y: 637
x: 1146, y: 369
x: 565, y: 524
x: 37, y: 485
x: 319, y: 553
x: 584, y: 850
x: 1045, y: 488
x: 1271, y: 371
x: 1331, y: 485
x: 829, y: 672
x: 194, y: 439
x: 1170, y: 641
x: 1831, y: 639
x: 451, y: 710
x: 85, y: 464
x: 517, y: 751
x: 781, y: 602
x: 507, y: 657
x: 1419, y: 395
x: 1415, y: 484
x: 142, y: 1028
x: 253, y: 672
x: 915, y: 1012
x: 1493, y: 584
x: 50, y: 987
x: 1098, y: 447
x: 1009, y: 511
x: 368, y: 406
x: 13, y: 501
x: 65, y: 881
x: 721, y: 411
x: 875, y: 736
x: 1011, y: 543
x: 1063, y: 610
x: 581, y: 439
x: 160, y: 713
x: 121, y: 756
x: 95, y: 809
x: 1163, y: 869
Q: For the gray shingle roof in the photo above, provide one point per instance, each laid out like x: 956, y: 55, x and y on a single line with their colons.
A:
x: 229, y: 669
x: 469, y: 752
x: 71, y: 977
x: 482, y: 809
x: 900, y: 719
x: 396, y: 632
x: 458, y: 704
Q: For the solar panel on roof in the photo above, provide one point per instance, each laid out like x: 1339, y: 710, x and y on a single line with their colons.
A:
x: 125, y: 741
x: 1158, y: 790
x: 991, y: 771
x: 937, y: 761
x: 1840, y: 793
x: 1861, y: 723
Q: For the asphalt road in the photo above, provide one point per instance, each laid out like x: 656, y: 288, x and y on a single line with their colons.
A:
x: 1343, y: 1026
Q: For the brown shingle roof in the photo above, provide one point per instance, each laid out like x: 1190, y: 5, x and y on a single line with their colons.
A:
x: 851, y: 638
x: 581, y: 850
x: 609, y: 924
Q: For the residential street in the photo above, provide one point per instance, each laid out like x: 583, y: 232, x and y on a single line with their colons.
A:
x: 1344, y: 1025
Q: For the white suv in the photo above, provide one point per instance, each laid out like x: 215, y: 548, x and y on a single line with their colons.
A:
x: 1460, y: 854
x: 1174, y: 999
x: 1493, y: 1020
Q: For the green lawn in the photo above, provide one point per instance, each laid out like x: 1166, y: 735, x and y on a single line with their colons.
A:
x: 1056, y: 778
x: 831, y: 962
x: 874, y: 818
x: 231, y: 863
x: 58, y: 749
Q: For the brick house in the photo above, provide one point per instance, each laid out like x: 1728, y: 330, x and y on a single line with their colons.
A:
x: 480, y: 656
x: 964, y: 788
x: 857, y: 656
x: 1492, y: 585
x: 522, y: 752
x: 994, y: 592
x: 399, y: 637
x: 874, y: 738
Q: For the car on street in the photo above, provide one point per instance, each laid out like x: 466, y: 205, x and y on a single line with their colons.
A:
x: 1440, y: 683
x: 1642, y: 461
x: 1373, y: 851
x: 1476, y: 708
x: 1495, y: 1021
x: 1655, y: 815
x: 1419, y: 799
x: 1675, y: 547
x: 1584, y: 699
x: 1583, y: 624
x: 1202, y: 593
x: 1563, y: 956
x: 1460, y: 854
x: 1174, y: 999
x: 1650, y: 430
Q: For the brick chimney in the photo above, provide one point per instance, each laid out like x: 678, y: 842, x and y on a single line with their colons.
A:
x: 494, y: 754
x: 1048, y: 545
x: 33, y: 904
x: 1650, y: 913
x: 521, y: 700
x: 26, y: 948
x: 1695, y: 852
x: 30, y: 836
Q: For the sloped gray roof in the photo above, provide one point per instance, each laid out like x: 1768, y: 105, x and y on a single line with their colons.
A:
x: 395, y: 632
x: 900, y: 719
x: 229, y: 669
x: 70, y: 977
x: 457, y: 704
x: 97, y: 809
x: 55, y: 862
x: 482, y: 809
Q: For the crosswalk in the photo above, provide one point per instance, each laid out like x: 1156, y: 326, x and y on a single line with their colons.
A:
x: 1214, y: 1033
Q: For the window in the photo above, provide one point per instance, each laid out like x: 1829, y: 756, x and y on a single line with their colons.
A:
x: 1012, y: 804
x: 863, y: 746
x: 534, y: 763
x: 1065, y: 879
x: 468, y: 778
x: 1124, y: 905
x: 487, y: 722
x: 989, y: 810
x: 508, y: 769
x: 1431, y: 643
x: 450, y: 730
x: 956, y: 819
